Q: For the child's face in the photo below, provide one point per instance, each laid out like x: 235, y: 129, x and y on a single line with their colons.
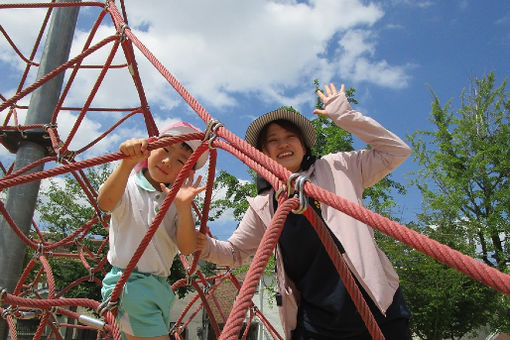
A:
x: 284, y: 146
x: 164, y: 164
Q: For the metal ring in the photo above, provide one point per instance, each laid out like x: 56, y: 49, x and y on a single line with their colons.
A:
x: 209, y: 128
x: 279, y: 192
x: 3, y: 292
x: 290, y: 188
x: 303, y: 202
x: 210, y: 132
x: 213, y: 138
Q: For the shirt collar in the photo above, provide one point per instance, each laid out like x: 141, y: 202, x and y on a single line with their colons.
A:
x: 142, y: 182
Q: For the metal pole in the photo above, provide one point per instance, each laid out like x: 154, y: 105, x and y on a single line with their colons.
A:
x: 260, y: 335
x: 21, y: 199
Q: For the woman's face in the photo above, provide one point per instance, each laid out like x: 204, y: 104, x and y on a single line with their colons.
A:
x: 284, y: 146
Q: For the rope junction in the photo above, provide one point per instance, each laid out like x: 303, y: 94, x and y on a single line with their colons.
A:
x: 25, y: 301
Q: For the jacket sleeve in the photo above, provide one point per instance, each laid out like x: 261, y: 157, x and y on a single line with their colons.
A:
x: 387, y: 150
x: 243, y: 243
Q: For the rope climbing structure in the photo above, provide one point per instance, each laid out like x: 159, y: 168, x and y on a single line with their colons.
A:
x: 22, y: 301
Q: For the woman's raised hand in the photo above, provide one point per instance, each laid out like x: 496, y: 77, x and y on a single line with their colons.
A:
x: 331, y: 91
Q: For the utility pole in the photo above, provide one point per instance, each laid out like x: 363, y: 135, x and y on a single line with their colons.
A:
x: 21, y: 199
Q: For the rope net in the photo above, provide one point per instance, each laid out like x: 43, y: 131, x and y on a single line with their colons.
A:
x: 26, y: 302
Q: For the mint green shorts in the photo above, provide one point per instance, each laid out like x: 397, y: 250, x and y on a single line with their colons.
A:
x: 144, y: 304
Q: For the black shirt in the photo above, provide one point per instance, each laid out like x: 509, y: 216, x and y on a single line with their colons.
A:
x: 325, y: 307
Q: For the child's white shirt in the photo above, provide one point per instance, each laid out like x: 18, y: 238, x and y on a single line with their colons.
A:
x: 130, y: 220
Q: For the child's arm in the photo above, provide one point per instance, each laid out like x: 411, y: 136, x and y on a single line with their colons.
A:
x: 186, y: 235
x: 111, y: 191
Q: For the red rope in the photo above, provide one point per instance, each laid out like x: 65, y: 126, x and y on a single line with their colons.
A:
x: 264, y: 251
x: 344, y: 272
x: 270, y: 170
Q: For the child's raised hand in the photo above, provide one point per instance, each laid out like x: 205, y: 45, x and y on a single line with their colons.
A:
x: 331, y: 91
x: 135, y: 149
x: 187, y: 192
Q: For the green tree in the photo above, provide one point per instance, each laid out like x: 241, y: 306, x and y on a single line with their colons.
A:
x: 63, y: 208
x: 463, y: 177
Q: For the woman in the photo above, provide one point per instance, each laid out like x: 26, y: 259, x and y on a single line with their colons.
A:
x: 314, y: 301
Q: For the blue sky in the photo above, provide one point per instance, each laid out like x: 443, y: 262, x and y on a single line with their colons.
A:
x: 240, y: 59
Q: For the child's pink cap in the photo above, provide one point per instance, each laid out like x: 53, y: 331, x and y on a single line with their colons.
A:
x: 176, y: 129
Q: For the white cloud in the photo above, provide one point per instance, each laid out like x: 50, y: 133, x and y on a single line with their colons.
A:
x: 271, y: 49
x: 412, y: 3
x: 268, y: 50
x: 357, y: 49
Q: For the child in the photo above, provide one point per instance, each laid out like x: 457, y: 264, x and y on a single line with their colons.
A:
x: 314, y: 301
x: 134, y: 197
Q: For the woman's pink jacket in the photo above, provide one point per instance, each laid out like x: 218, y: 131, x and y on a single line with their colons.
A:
x: 345, y: 174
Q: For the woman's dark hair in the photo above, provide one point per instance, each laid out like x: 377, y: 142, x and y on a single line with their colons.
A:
x: 283, y: 123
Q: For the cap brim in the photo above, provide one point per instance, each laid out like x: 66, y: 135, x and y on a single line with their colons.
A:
x: 193, y: 144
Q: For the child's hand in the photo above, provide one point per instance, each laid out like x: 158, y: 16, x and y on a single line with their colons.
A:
x: 187, y: 192
x: 136, y: 149
x: 201, y: 241
x: 330, y: 93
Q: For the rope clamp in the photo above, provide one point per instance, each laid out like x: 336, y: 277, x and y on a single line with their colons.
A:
x: 279, y: 192
x: 188, y: 279
x: 123, y: 36
x: 303, y: 202
x: 175, y: 328
x: 297, y: 189
x: 77, y: 241
x: 210, y: 132
x: 39, y: 251
x: 21, y: 132
x: 91, y: 274
x: 50, y: 126
x: 69, y: 155
x: 106, y: 306
x: 3, y: 292
x: 9, y: 311
x: 290, y: 189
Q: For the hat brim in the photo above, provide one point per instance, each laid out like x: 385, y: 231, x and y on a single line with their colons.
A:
x: 306, y: 127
